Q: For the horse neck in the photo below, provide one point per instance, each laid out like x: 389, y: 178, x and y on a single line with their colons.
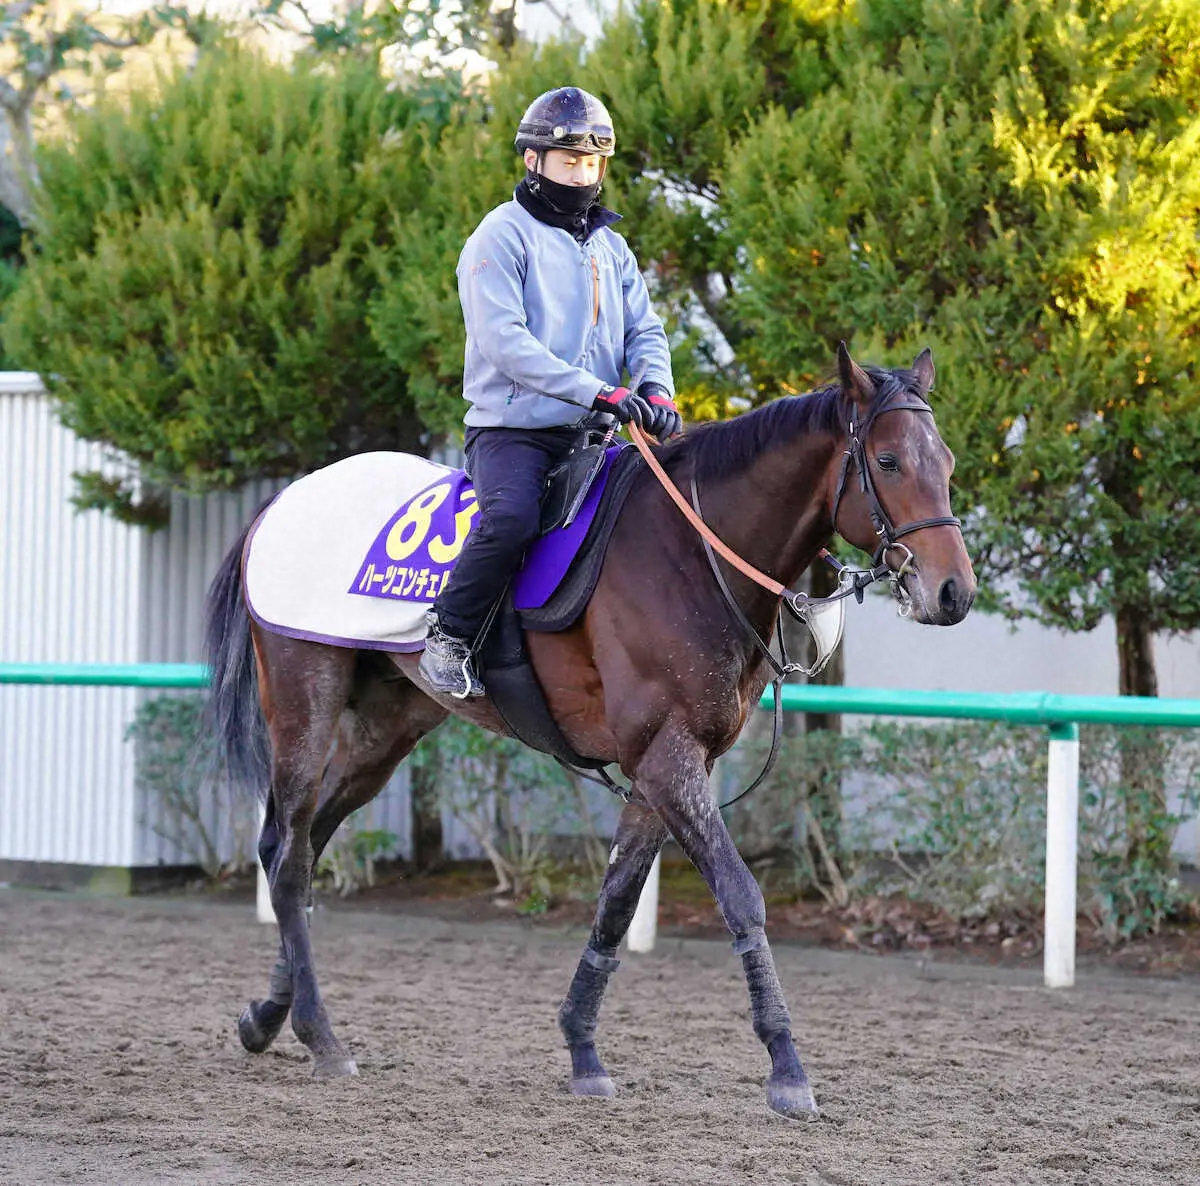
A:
x: 776, y: 515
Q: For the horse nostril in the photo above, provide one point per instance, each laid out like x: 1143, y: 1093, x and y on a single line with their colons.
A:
x: 948, y: 596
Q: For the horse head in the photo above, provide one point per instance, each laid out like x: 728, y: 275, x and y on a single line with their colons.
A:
x: 892, y: 492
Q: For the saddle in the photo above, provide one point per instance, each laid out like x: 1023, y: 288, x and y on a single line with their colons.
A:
x: 568, y: 483
x: 503, y: 658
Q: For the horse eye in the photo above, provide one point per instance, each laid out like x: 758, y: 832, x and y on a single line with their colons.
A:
x: 888, y: 461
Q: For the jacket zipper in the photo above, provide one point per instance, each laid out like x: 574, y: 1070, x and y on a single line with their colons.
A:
x: 595, y: 292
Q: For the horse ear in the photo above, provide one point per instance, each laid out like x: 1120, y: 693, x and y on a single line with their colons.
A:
x: 856, y: 383
x: 922, y: 368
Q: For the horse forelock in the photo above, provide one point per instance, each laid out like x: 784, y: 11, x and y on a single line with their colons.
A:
x: 892, y: 383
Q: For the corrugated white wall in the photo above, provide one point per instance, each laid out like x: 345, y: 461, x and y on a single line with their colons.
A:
x: 80, y: 587
x: 68, y: 593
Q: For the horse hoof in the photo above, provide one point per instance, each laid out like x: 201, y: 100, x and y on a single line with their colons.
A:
x: 334, y: 1068
x: 792, y: 1099
x: 600, y: 1086
x: 254, y: 1037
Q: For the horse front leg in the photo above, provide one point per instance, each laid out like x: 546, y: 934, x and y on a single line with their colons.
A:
x: 673, y: 777
x: 639, y: 836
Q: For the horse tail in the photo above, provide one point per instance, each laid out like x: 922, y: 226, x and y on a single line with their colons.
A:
x: 233, y: 715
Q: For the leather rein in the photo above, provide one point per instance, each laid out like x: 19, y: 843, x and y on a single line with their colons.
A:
x: 801, y: 605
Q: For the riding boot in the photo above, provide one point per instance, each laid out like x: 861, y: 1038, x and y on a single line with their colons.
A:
x: 446, y: 662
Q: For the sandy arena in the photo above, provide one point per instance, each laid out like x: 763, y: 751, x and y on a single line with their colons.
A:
x: 119, y: 1062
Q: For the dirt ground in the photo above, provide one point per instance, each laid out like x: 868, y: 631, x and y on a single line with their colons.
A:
x: 119, y: 1062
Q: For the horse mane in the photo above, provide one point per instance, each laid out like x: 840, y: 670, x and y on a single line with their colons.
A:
x: 723, y: 448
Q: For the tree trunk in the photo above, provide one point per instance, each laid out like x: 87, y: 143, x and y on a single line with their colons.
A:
x: 1143, y: 753
x: 18, y: 173
x: 1135, y: 649
x: 425, y: 810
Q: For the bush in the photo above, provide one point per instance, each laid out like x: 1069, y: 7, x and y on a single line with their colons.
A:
x: 350, y: 857
x: 514, y: 802
x: 954, y: 816
x: 182, y: 803
x: 1129, y: 887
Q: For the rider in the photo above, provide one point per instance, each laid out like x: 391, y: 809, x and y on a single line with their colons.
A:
x: 556, y: 310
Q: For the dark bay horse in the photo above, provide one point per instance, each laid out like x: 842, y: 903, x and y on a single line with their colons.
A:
x: 657, y: 676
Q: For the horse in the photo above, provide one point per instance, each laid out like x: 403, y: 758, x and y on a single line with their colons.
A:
x: 658, y: 676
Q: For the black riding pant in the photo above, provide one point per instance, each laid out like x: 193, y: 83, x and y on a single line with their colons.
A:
x: 508, y: 467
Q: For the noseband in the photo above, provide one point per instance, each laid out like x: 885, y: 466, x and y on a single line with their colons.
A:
x: 856, y: 456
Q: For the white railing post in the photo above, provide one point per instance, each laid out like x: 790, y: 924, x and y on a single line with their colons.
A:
x: 644, y: 926
x: 1062, y: 839
x: 266, y: 912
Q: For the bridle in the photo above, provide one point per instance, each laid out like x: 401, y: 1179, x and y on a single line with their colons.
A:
x: 856, y: 456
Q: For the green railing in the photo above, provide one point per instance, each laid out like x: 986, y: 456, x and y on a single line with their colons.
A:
x: 115, y: 675
x: 1014, y: 708
x: 1062, y: 715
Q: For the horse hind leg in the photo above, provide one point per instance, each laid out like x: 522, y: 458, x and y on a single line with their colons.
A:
x: 639, y: 837
x: 303, y: 689
x: 383, y: 721
x: 261, y: 1021
x: 386, y: 718
x: 673, y: 777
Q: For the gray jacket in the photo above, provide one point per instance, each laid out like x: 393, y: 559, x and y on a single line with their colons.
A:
x: 551, y: 322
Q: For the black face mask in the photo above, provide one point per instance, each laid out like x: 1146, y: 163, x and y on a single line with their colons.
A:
x: 566, y: 199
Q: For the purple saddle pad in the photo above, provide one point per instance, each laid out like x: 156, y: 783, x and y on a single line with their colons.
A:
x: 417, y: 548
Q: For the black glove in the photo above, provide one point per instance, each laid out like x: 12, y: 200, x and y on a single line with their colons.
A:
x: 665, y: 420
x: 624, y: 405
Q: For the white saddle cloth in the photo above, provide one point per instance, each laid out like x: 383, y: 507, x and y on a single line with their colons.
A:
x: 303, y: 556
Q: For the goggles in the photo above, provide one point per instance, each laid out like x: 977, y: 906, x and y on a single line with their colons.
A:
x: 586, y: 137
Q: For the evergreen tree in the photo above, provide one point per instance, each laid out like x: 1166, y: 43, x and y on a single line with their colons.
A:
x: 682, y: 81
x: 685, y: 80
x: 205, y: 261
x: 11, y: 261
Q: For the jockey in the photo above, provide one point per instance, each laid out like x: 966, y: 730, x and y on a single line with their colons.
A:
x: 556, y: 311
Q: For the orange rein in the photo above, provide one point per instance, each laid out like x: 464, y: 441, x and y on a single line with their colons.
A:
x: 705, y: 532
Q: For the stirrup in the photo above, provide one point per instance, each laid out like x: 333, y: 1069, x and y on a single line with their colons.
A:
x: 448, y: 649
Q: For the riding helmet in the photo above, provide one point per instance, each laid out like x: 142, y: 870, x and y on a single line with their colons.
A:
x: 567, y: 118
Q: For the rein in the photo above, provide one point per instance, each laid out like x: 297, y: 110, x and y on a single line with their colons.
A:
x: 801, y: 605
x: 856, y: 455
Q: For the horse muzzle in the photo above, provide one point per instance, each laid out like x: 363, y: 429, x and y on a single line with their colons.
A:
x: 939, y: 603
